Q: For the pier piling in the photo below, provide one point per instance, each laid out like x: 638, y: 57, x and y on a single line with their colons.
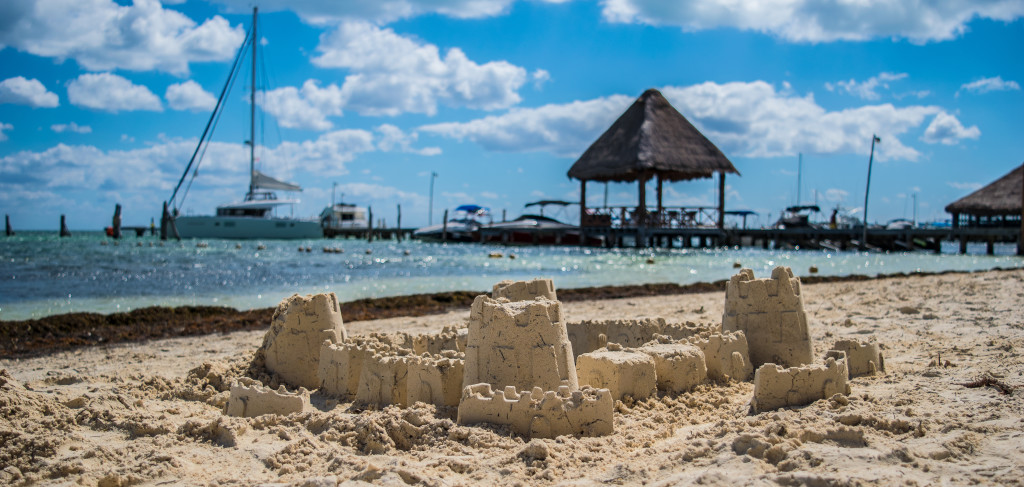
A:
x: 7, y: 221
x: 116, y: 223
x: 64, y: 232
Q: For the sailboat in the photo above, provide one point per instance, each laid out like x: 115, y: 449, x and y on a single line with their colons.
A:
x: 253, y: 217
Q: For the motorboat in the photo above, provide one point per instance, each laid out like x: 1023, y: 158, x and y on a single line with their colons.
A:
x: 463, y: 226
x: 344, y: 216
x: 536, y: 229
x: 254, y: 217
x: 797, y: 216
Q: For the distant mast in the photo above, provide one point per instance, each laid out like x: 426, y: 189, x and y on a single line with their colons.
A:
x: 252, y: 111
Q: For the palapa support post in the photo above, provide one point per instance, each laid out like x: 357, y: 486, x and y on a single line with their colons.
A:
x: 116, y: 222
x: 444, y: 227
x: 64, y: 232
x: 583, y: 211
x: 721, y: 202
x: 1020, y: 238
x: 7, y: 225
x: 641, y: 214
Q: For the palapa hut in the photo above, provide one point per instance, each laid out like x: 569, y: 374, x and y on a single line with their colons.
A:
x: 650, y: 140
x: 991, y: 205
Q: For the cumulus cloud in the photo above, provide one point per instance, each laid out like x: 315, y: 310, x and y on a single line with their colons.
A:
x: 392, y: 138
x: 304, y: 108
x: 70, y: 127
x: 378, y: 11
x: 563, y: 129
x: 964, y: 186
x: 819, y: 21
x: 4, y: 127
x: 947, y: 130
x: 101, y: 35
x: 986, y: 85
x: 743, y: 119
x: 112, y: 93
x: 189, y: 95
x: 21, y: 91
x: 865, y: 89
x: 540, y: 77
x: 392, y: 74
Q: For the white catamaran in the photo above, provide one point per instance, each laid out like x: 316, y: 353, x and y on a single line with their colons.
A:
x: 254, y: 216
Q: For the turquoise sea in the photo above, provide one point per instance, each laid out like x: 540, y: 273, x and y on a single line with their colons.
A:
x: 42, y: 274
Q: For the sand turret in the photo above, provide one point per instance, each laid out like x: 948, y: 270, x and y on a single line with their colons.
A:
x: 771, y: 314
x: 291, y: 347
x: 522, y: 344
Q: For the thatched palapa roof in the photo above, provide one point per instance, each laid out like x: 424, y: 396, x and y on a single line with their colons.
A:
x: 1001, y: 197
x: 651, y: 138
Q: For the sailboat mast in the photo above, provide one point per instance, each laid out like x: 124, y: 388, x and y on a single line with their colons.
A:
x: 252, y: 109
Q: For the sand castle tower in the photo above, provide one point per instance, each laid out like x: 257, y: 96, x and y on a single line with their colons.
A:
x: 524, y: 290
x: 291, y: 347
x: 519, y: 343
x: 771, y: 314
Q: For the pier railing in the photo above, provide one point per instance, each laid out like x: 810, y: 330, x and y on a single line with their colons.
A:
x: 667, y: 217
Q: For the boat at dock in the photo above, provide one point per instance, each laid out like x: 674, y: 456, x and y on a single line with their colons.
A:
x: 463, y: 226
x: 537, y: 229
x: 254, y: 217
x: 344, y: 216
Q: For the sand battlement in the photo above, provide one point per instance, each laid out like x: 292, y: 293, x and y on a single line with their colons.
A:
x: 776, y: 386
x: 587, y: 336
x: 861, y: 358
x: 771, y: 314
x: 249, y: 398
x: 291, y: 347
x: 539, y: 413
x: 524, y: 290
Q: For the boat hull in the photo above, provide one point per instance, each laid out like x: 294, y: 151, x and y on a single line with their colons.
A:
x: 246, y: 228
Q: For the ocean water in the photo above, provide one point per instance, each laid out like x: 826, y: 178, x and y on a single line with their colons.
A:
x: 42, y: 274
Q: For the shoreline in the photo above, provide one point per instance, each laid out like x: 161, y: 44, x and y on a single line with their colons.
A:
x: 70, y: 331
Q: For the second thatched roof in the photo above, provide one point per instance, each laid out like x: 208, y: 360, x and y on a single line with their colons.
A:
x: 1001, y: 197
x: 651, y: 138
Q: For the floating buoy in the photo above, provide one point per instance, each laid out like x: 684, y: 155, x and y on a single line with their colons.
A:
x: 406, y: 252
x: 511, y: 256
x: 328, y: 250
x: 814, y: 269
x: 151, y: 244
x: 309, y: 249
x: 369, y: 251
x: 495, y: 255
x: 650, y: 260
x: 736, y: 265
x: 202, y: 245
x: 302, y: 249
x: 238, y: 245
x: 138, y: 244
x: 261, y: 247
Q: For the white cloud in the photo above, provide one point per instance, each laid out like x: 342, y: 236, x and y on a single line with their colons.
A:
x: 986, y: 85
x: 393, y: 138
x: 112, y: 93
x: 489, y: 195
x: 3, y: 136
x: 866, y: 89
x: 947, y: 130
x: 563, y: 129
x: 71, y: 127
x: 965, y: 186
x: 743, y: 119
x: 378, y: 11
x: 919, y: 21
x: 101, y: 35
x: 189, y: 95
x: 835, y: 195
x: 392, y: 74
x: 540, y: 76
x: 21, y: 91
x: 305, y: 108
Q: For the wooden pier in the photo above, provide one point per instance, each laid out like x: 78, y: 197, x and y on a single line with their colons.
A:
x: 928, y: 239
x: 393, y: 233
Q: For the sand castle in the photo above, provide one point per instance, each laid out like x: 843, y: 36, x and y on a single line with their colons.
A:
x: 771, y: 314
x: 520, y: 364
x: 291, y: 348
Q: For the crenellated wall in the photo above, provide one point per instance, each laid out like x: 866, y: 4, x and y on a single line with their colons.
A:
x: 537, y: 413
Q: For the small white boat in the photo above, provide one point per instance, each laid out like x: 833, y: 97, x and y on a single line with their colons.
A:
x: 463, y: 226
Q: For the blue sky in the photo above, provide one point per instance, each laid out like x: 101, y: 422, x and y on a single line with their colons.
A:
x: 102, y: 102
